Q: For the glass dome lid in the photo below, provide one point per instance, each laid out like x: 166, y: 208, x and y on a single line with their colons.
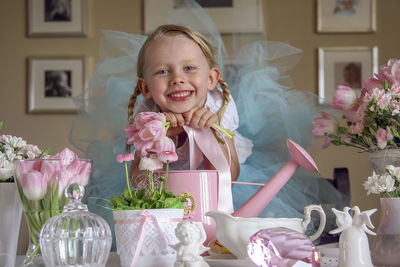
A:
x: 76, y: 237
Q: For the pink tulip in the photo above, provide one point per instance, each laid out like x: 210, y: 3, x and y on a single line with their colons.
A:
x: 66, y: 155
x: 327, y: 124
x: 34, y: 185
x: 143, y: 148
x: 344, y: 98
x: 51, y: 169
x: 383, y: 136
x: 125, y: 157
x: 131, y: 132
x: 166, y: 148
x: 23, y: 167
x: 79, y: 171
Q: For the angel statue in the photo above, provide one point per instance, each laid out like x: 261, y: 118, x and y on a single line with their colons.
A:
x: 353, y: 242
x: 191, y: 236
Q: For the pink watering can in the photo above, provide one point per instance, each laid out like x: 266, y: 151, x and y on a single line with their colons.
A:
x: 255, y: 205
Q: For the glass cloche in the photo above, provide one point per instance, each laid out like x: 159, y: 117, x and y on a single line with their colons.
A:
x: 76, y: 237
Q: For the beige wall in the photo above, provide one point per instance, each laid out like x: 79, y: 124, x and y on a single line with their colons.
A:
x: 286, y: 20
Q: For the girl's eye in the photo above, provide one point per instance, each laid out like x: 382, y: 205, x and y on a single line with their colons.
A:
x: 162, y: 72
x: 188, y: 68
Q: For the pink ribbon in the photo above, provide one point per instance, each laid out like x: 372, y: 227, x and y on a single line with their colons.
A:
x: 202, y: 141
x: 148, y: 217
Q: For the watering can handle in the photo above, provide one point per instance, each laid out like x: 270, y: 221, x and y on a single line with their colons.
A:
x: 307, y: 218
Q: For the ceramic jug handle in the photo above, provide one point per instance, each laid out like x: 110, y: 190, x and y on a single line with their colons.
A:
x: 307, y: 219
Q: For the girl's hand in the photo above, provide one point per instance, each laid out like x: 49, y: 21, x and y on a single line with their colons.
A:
x: 177, y: 121
x: 200, y: 117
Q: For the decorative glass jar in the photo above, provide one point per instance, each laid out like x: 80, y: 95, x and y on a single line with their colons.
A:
x: 75, y: 237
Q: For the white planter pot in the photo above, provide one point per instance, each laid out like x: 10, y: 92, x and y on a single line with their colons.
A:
x: 10, y: 218
x: 146, y: 234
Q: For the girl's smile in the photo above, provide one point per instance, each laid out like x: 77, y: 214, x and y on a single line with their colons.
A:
x: 180, y: 95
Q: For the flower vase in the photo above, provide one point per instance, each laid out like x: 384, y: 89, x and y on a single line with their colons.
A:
x: 36, y: 218
x: 386, y: 245
x: 10, y: 218
x: 381, y: 158
x: 41, y: 184
x: 143, y: 236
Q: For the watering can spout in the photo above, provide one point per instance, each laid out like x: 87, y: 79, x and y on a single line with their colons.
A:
x: 299, y: 157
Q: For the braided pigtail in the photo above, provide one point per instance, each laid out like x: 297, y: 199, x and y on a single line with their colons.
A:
x: 226, y: 99
x: 131, y: 105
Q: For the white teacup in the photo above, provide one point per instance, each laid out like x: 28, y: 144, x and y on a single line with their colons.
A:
x: 234, y: 232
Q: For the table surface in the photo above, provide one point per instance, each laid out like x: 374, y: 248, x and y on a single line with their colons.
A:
x: 113, y: 260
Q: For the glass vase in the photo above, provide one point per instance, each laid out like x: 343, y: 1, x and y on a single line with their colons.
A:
x: 41, y: 184
x: 385, y: 250
x: 36, y: 219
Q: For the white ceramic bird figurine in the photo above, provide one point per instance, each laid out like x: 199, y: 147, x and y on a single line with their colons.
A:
x: 353, y: 241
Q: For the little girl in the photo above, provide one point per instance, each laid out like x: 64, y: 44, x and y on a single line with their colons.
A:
x: 178, y: 75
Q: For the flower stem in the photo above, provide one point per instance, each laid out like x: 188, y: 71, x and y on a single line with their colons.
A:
x: 151, y: 181
x: 127, y: 179
x: 166, y: 176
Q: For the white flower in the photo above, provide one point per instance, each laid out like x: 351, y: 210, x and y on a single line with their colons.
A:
x: 30, y: 151
x: 7, y: 168
x: 150, y: 164
x: 394, y: 171
x: 377, y: 184
x: 14, y: 141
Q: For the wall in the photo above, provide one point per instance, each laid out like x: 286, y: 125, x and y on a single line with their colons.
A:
x: 286, y: 20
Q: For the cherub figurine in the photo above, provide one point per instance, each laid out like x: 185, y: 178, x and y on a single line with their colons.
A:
x: 353, y: 242
x: 191, y: 236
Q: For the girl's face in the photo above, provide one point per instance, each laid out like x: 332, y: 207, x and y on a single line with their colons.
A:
x: 176, y: 74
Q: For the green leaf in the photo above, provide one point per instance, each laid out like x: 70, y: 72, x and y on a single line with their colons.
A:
x: 1, y: 125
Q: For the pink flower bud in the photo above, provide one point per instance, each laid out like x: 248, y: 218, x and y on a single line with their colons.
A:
x: 344, y: 98
x: 34, y: 185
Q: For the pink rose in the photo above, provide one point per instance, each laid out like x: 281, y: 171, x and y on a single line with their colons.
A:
x: 125, y: 157
x: 344, y: 98
x: 166, y: 149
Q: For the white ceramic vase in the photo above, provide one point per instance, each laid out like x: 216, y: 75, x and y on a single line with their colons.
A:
x: 147, y: 233
x: 385, y: 250
x: 10, y: 218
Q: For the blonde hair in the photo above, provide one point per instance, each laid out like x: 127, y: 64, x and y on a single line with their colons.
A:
x: 204, y: 45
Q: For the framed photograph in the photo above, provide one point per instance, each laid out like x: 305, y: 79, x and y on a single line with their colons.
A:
x: 229, y: 16
x: 348, y: 66
x: 57, y: 18
x: 53, y: 82
x: 346, y: 16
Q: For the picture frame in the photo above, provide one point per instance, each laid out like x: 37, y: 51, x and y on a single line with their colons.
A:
x: 348, y: 66
x: 224, y: 13
x: 57, y: 18
x: 53, y: 82
x: 346, y: 16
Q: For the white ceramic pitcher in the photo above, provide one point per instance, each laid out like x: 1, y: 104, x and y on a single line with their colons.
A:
x: 234, y: 232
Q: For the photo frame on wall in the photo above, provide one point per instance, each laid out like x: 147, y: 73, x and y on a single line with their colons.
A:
x: 57, y: 18
x: 239, y: 16
x: 53, y: 82
x: 348, y: 66
x: 346, y: 16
